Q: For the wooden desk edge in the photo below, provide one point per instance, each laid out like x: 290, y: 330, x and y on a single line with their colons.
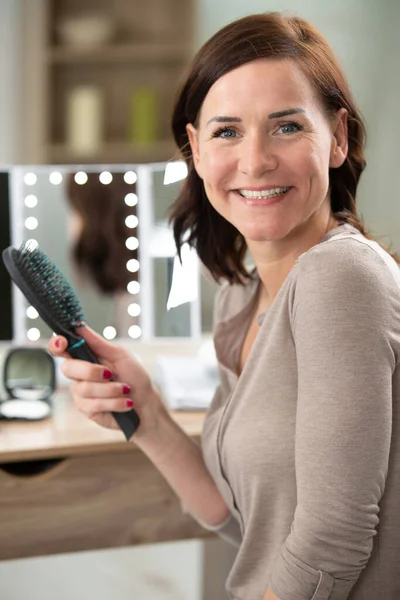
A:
x: 70, y: 451
x: 68, y: 433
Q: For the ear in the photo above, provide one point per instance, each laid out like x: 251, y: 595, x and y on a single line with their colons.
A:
x: 340, y: 143
x: 194, y: 145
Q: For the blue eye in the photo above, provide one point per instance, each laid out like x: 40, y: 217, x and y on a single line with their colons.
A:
x: 225, y: 133
x: 290, y: 127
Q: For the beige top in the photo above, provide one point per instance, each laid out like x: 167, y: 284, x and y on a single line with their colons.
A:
x: 304, y: 444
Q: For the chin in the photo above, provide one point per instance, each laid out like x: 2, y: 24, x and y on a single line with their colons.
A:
x: 264, y: 232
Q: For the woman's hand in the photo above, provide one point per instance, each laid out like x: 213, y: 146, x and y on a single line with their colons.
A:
x: 96, y: 395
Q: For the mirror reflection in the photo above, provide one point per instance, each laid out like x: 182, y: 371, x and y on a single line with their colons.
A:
x: 85, y: 222
x: 107, y: 230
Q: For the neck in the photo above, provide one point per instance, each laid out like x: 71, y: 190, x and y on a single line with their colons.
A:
x: 274, y: 260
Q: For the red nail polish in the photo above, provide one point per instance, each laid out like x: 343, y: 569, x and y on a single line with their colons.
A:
x: 107, y: 374
x: 126, y: 389
x: 57, y: 343
x: 129, y: 403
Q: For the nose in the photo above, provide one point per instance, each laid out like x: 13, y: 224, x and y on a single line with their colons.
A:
x: 257, y: 156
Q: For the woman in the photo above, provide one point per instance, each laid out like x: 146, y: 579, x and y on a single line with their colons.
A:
x: 301, y: 440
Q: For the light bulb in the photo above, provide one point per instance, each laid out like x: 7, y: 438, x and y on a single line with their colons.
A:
x: 134, y: 331
x: 132, y: 265
x: 130, y: 177
x: 31, y: 201
x: 31, y: 312
x: 105, y: 177
x: 134, y: 310
x: 80, y: 178
x: 30, y: 179
x: 109, y: 332
x: 33, y: 334
x: 31, y: 223
x: 133, y: 287
x: 131, y: 221
x: 131, y: 199
x: 132, y: 243
x: 55, y: 178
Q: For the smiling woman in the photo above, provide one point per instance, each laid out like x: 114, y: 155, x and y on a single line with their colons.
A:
x: 265, y: 174
x: 274, y: 145
x: 300, y: 455
x: 250, y: 77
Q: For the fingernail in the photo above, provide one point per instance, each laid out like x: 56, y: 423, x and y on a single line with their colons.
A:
x: 129, y: 403
x: 126, y: 389
x: 57, y: 343
x: 107, y: 374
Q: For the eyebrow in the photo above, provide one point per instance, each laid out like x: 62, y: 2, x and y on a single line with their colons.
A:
x: 274, y: 115
x: 219, y: 119
x: 285, y: 113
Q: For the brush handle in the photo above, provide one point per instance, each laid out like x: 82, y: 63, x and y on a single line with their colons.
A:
x: 127, y: 421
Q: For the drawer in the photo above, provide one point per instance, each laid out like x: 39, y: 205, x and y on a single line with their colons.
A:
x: 87, y: 502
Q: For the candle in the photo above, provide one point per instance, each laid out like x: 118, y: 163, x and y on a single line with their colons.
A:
x: 84, y: 131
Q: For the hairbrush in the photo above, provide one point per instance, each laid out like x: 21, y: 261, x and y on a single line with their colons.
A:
x: 47, y: 290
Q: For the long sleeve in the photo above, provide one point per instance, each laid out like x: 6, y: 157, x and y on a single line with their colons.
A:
x: 344, y: 308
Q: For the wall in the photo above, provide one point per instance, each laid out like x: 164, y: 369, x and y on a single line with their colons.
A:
x: 10, y: 89
x: 380, y: 202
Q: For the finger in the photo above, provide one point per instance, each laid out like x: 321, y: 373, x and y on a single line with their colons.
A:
x: 83, y: 370
x: 88, y: 389
x: 105, y: 420
x: 58, y: 345
x: 98, y: 345
x: 93, y: 406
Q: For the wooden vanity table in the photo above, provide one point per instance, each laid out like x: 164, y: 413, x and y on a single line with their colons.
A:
x: 68, y: 485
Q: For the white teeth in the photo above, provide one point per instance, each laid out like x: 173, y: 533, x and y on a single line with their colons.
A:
x: 263, y: 193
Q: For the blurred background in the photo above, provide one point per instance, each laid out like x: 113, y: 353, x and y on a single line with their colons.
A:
x: 121, y: 61
x: 90, y: 85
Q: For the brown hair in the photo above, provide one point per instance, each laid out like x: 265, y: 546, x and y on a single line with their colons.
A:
x: 220, y: 246
x: 100, y: 252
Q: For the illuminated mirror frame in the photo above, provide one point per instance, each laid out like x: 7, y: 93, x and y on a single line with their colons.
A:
x: 145, y: 241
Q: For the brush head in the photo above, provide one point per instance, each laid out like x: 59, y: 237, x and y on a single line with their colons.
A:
x: 45, y: 287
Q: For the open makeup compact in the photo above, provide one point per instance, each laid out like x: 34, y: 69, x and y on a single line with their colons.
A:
x: 29, y: 383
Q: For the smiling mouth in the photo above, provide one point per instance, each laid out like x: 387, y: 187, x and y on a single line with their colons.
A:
x: 263, y: 194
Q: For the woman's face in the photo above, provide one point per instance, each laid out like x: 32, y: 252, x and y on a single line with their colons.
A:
x: 263, y: 148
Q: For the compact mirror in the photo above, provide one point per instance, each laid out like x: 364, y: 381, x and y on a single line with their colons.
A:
x: 29, y: 380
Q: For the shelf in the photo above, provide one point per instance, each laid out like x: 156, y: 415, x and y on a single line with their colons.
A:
x: 142, y: 53
x: 115, y: 152
x: 151, y: 48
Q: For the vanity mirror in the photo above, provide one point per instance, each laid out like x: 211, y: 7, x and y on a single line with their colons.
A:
x: 106, y: 228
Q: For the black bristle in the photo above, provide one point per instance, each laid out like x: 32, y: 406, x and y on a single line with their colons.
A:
x: 49, y: 285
